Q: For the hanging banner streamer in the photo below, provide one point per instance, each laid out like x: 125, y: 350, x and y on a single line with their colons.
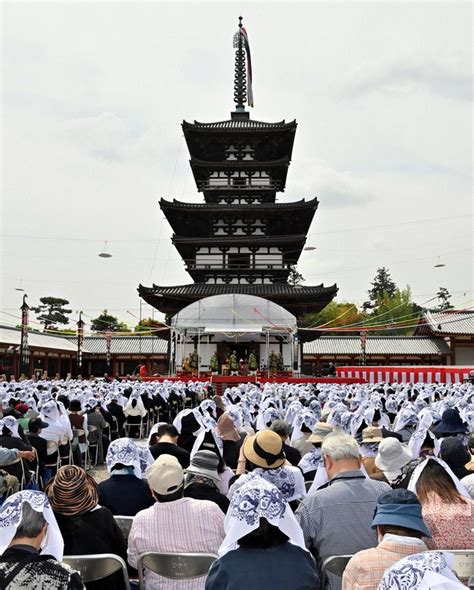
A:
x: 80, y: 342
x: 24, y: 348
x: 108, y: 344
x: 246, y: 44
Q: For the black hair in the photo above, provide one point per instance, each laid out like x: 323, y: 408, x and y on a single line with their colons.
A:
x: 64, y: 399
x: 265, y: 536
x: 34, y: 424
x: 134, y: 403
x: 168, y: 430
x: 169, y: 497
x: 75, y: 405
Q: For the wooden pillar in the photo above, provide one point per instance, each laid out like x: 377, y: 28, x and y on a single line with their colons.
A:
x: 70, y: 365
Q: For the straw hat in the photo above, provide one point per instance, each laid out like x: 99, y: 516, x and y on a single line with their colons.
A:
x: 265, y: 449
x: 372, y: 434
x: 320, y: 431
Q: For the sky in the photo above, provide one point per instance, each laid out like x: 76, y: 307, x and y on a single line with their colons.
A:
x: 94, y: 94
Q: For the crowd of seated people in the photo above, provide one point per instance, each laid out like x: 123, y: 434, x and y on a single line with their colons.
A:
x: 282, y: 478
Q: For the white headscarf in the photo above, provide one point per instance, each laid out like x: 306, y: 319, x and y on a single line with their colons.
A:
x: 418, y: 470
x: 126, y: 452
x: 11, y: 514
x: 430, y: 570
x: 10, y: 423
x: 254, y: 500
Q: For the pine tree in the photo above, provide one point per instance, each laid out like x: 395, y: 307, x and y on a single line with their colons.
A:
x: 52, y: 311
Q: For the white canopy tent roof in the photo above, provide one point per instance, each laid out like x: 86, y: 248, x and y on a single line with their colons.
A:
x: 234, y: 314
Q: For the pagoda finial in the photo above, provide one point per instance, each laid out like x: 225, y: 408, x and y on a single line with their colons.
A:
x: 242, y: 73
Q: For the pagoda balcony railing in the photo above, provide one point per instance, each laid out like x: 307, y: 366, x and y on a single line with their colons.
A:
x: 272, y: 186
x: 231, y: 267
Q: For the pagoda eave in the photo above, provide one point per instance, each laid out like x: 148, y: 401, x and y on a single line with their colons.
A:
x: 299, y: 299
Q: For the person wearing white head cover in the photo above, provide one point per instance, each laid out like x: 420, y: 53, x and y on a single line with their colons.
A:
x: 31, y: 545
x: 264, y: 453
x: 430, y: 570
x: 447, y: 505
x: 125, y: 492
x: 58, y: 430
x: 264, y: 544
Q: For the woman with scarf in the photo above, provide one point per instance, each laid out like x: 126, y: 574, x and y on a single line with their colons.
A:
x: 86, y: 527
x: 202, y: 479
x: 264, y: 545
x: 447, y: 506
x: 125, y: 492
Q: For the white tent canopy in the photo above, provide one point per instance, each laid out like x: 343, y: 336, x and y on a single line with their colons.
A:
x: 233, y: 314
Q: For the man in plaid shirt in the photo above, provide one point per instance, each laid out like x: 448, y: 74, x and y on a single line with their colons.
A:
x: 400, y: 527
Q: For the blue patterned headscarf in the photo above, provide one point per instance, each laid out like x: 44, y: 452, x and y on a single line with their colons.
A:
x: 256, y: 499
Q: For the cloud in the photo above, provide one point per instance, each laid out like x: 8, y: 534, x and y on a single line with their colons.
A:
x: 447, y: 78
x: 338, y: 188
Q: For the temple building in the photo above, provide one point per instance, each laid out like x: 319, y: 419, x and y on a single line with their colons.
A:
x: 240, y: 241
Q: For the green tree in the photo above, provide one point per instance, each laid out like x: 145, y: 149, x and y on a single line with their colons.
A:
x: 52, y: 311
x: 335, y: 315
x: 295, y: 277
x: 444, y: 298
x: 382, y: 287
x: 105, y: 321
x: 147, y: 324
x: 395, y: 309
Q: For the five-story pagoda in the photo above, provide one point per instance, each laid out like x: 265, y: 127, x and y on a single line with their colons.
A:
x: 240, y: 241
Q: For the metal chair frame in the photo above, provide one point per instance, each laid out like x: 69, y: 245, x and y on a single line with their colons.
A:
x: 96, y: 567
x: 334, y: 564
x: 174, y: 566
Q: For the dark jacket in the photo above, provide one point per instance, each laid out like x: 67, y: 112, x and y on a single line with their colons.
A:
x: 124, y: 495
x: 94, y: 532
x: 284, y: 566
x: 41, y: 571
x: 231, y: 452
x: 203, y: 492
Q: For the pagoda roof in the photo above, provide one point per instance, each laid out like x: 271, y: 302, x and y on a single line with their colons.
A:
x: 298, y: 299
x: 253, y: 209
x: 240, y: 125
x: 269, y: 140
x: 195, y: 219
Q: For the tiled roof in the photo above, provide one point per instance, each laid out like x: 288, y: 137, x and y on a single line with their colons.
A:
x: 239, y: 124
x: 277, y: 207
x: 126, y: 345
x: 262, y: 290
x: 450, y: 322
x: 12, y: 337
x: 377, y: 345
